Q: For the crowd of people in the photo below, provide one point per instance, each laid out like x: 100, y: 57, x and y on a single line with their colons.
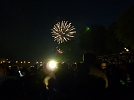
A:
x: 105, y: 77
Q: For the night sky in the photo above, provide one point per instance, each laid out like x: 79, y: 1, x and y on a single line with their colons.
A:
x: 25, y: 30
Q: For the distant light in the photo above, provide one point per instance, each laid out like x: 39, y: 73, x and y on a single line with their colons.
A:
x: 127, y: 50
x: 24, y: 62
x: 9, y: 66
x: 40, y: 62
x: 87, y: 28
x: 21, y: 62
x: 37, y: 62
x: 9, y: 61
x: 16, y: 61
x: 28, y: 62
x: 4, y: 61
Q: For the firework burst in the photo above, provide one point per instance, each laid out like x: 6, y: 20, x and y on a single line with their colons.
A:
x: 62, y: 31
x: 59, y: 51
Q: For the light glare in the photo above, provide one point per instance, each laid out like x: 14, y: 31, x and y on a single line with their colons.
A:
x: 52, y: 65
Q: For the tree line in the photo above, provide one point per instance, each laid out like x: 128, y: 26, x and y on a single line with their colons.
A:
x: 103, y: 41
x: 120, y: 34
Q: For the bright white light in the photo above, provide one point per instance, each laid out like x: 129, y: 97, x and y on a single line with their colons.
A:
x: 127, y: 50
x: 37, y: 62
x: 52, y: 64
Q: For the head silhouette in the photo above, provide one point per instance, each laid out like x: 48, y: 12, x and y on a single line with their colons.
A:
x: 89, y: 57
x: 2, y: 69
